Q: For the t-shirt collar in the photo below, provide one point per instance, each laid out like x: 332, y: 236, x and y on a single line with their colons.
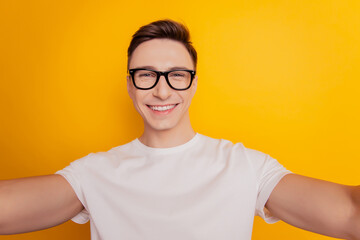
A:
x: 178, y: 148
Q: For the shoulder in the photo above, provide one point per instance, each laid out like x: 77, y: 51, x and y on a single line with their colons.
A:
x: 109, y: 157
x: 218, y: 142
x: 230, y: 145
x: 235, y: 149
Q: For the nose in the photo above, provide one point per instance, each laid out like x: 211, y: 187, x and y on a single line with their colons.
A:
x: 162, y: 90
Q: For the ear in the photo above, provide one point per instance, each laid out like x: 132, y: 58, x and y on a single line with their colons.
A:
x: 194, y: 85
x: 129, y: 86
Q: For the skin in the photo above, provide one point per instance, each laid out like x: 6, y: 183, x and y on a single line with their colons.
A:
x: 35, y: 203
x: 318, y: 206
x: 163, y: 129
x: 31, y: 204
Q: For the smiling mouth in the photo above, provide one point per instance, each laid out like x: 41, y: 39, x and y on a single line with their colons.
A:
x: 162, y: 108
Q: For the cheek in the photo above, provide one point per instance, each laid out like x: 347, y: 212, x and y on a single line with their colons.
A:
x: 187, y: 98
x: 132, y: 94
x: 138, y: 98
x: 137, y: 104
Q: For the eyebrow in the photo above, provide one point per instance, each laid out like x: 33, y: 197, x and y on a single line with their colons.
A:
x: 169, y: 69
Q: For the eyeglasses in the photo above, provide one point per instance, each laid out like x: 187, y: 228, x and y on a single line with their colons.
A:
x: 146, y: 79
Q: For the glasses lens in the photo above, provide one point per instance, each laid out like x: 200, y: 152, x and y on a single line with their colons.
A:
x: 144, y: 78
x: 179, y: 79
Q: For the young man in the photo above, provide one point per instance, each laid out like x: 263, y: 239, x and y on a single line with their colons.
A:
x: 171, y: 182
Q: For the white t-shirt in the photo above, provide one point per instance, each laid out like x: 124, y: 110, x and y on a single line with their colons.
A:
x: 206, y: 189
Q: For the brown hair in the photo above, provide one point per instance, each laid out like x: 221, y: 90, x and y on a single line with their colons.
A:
x: 168, y: 29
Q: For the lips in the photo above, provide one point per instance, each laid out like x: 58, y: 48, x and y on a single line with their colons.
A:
x: 162, y: 108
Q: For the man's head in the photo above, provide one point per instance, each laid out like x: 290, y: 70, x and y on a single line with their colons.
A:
x: 163, y: 29
x: 164, y: 53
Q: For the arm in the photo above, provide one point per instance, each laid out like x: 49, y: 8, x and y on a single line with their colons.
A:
x: 35, y: 203
x: 318, y: 206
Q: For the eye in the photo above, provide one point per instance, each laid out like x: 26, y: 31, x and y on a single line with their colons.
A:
x: 178, y: 75
x: 145, y: 74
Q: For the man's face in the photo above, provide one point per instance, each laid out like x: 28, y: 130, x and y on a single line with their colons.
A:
x: 162, y: 108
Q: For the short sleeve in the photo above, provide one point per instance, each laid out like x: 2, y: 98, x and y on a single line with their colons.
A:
x: 72, y: 174
x: 268, y: 174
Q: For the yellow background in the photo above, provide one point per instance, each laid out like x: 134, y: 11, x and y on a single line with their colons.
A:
x: 280, y: 76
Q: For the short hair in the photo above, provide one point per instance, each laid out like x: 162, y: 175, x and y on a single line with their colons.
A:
x: 163, y: 29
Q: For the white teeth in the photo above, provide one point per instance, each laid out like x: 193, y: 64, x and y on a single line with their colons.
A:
x: 162, y: 108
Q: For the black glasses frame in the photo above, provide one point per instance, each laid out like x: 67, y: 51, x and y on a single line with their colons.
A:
x: 159, y: 74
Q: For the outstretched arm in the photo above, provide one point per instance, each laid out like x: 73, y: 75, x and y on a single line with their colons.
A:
x: 35, y: 203
x: 319, y: 206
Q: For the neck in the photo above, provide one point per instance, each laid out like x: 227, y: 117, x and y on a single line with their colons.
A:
x: 173, y: 137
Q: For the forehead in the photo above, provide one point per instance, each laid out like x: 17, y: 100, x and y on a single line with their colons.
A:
x: 161, y: 54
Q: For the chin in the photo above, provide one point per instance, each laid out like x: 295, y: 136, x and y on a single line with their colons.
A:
x: 161, y: 126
